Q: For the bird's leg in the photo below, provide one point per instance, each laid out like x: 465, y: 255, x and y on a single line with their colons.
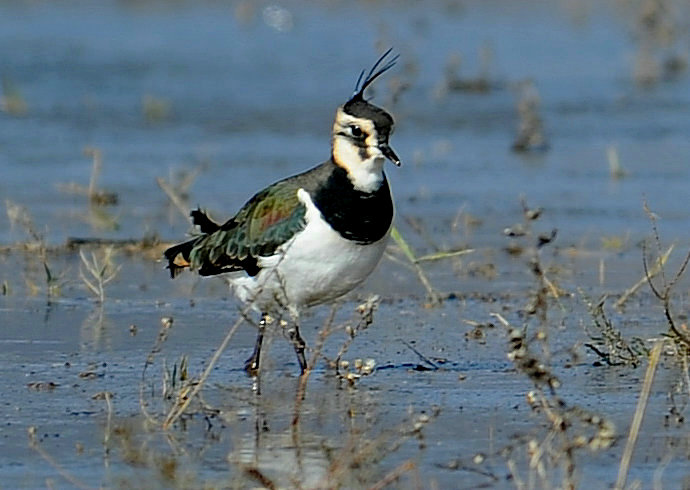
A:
x: 298, y: 344
x: 251, y: 365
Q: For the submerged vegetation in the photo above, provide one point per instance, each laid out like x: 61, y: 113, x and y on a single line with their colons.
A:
x: 177, y: 398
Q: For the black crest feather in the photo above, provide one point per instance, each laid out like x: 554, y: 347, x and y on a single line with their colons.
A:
x: 373, y: 74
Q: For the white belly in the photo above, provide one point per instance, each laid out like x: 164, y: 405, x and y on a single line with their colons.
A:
x: 316, y: 266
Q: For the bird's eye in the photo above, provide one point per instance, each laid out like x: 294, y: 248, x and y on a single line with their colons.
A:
x: 356, y: 131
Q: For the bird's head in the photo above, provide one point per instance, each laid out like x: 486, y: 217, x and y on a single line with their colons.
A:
x: 361, y: 132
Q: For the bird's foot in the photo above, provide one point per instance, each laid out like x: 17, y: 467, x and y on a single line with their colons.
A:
x: 299, y: 345
x: 251, y: 365
x: 302, y: 361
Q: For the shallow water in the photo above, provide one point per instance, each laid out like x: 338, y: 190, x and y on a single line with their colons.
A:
x: 245, y: 94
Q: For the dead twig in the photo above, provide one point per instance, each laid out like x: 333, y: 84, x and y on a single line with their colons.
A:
x: 617, y: 350
x: 424, y: 359
x: 663, y: 293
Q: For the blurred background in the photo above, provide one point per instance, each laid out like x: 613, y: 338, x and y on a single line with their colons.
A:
x: 579, y: 106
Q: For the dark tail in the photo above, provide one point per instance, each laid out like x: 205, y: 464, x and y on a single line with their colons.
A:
x: 178, y: 257
x: 205, y: 224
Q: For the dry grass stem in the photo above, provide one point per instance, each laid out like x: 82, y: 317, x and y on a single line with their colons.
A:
x: 357, y: 453
x: 107, y: 396
x: 19, y: 216
x: 174, y: 197
x: 616, y: 170
x: 524, y: 232
x: 163, y: 332
x: 664, y: 295
x: 531, y: 135
x: 97, y: 157
x: 553, y: 289
x: 366, y: 318
x: 639, y: 415
x: 97, y: 197
x: 177, y: 189
x: 256, y: 475
x: 183, y: 401
x: 52, y: 462
x: 513, y: 470
x: 101, y: 271
x: 444, y: 255
x: 569, y: 427
x: 656, y: 269
x: 394, y: 475
x: 318, y: 348
x: 192, y: 387
x: 433, y: 295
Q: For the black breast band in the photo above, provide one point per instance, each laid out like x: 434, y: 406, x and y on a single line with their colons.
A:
x: 363, y: 217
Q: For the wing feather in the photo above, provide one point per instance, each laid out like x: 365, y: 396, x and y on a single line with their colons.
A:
x: 265, y: 222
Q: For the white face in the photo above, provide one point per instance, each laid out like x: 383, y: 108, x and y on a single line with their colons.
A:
x: 355, y: 148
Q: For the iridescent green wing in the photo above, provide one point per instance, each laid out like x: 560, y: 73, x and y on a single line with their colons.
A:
x: 270, y: 219
x: 266, y: 221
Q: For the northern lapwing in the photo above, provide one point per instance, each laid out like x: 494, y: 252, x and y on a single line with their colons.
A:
x: 310, y: 238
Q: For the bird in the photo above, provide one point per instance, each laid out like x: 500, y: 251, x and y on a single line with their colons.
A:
x: 310, y: 238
